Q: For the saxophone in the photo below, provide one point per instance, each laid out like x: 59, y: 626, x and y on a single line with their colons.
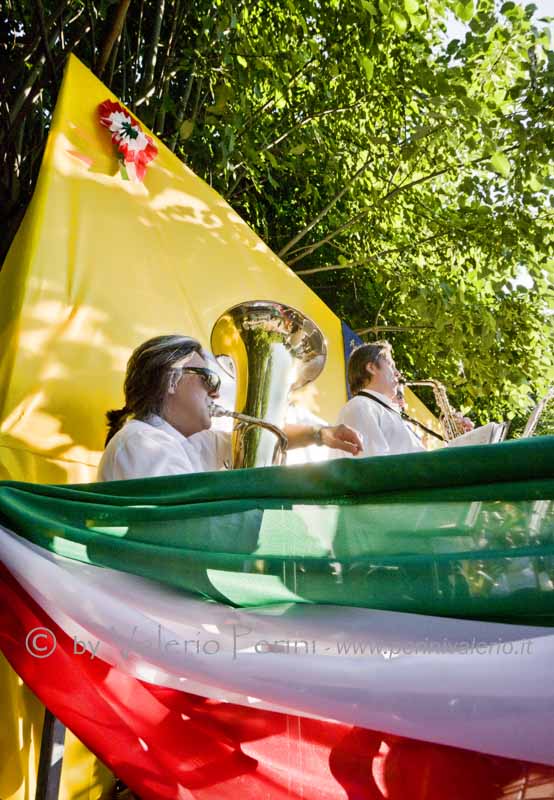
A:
x: 451, y: 425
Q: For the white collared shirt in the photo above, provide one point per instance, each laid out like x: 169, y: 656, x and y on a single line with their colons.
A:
x: 152, y: 447
x: 383, y: 431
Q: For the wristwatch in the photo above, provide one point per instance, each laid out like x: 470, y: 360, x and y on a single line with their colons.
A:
x: 316, y: 433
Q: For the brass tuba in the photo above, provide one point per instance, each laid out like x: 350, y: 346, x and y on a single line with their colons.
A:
x: 274, y: 349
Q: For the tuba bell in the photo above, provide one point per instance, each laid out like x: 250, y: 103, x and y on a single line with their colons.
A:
x: 274, y: 349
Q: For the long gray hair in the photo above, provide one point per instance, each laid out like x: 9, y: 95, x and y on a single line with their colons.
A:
x: 148, y: 376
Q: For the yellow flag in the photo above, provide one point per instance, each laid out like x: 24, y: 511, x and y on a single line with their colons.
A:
x: 99, y: 265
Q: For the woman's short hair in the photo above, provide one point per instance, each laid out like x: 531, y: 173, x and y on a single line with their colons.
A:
x: 148, y: 377
x: 359, y: 359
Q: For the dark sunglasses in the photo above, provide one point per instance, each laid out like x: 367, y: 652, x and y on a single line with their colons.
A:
x: 211, y: 379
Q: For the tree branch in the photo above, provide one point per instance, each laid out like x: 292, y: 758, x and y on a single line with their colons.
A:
x: 325, y: 210
x: 271, y: 100
x: 90, y: 12
x: 306, y: 251
x: 275, y: 142
x: 44, y: 34
x: 25, y: 90
x: 9, y: 76
x: 182, y: 112
x: 113, y: 35
x: 375, y: 257
x: 378, y: 314
x: 390, y: 328
x: 137, y: 54
x: 150, y: 65
x: 164, y: 77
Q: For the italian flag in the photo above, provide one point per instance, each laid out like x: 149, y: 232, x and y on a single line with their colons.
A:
x: 305, y: 632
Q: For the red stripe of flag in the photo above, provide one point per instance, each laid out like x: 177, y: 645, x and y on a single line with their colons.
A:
x: 167, y: 744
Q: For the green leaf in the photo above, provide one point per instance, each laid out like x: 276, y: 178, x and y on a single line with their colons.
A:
x: 186, y: 129
x: 298, y: 150
x: 411, y: 6
x: 368, y: 65
x: 530, y: 10
x: 473, y: 106
x: 222, y: 94
x: 242, y: 61
x: 400, y: 22
x: 280, y: 101
x: 464, y: 11
x: 500, y: 164
x: 419, y: 21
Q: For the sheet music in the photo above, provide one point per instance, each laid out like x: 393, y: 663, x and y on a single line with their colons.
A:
x: 487, y: 434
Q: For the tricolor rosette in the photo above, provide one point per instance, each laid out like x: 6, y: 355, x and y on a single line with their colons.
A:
x: 136, y: 149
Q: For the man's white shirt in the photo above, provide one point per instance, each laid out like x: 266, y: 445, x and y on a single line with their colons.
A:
x: 383, y: 431
x: 153, y: 447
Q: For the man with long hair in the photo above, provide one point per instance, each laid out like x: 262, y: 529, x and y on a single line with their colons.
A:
x: 164, y: 428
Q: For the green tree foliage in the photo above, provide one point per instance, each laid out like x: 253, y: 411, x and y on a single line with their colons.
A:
x: 408, y: 180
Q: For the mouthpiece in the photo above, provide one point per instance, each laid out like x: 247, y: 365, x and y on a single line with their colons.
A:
x: 217, y: 411
x: 246, y: 419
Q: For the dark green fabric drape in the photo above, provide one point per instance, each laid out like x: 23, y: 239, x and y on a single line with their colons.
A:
x: 466, y: 532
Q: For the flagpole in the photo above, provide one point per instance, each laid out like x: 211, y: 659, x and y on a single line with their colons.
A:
x: 51, y: 758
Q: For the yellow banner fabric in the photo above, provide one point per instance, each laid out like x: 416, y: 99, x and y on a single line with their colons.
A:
x: 99, y: 265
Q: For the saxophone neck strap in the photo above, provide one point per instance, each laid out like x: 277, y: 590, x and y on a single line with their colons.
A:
x: 402, y: 414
